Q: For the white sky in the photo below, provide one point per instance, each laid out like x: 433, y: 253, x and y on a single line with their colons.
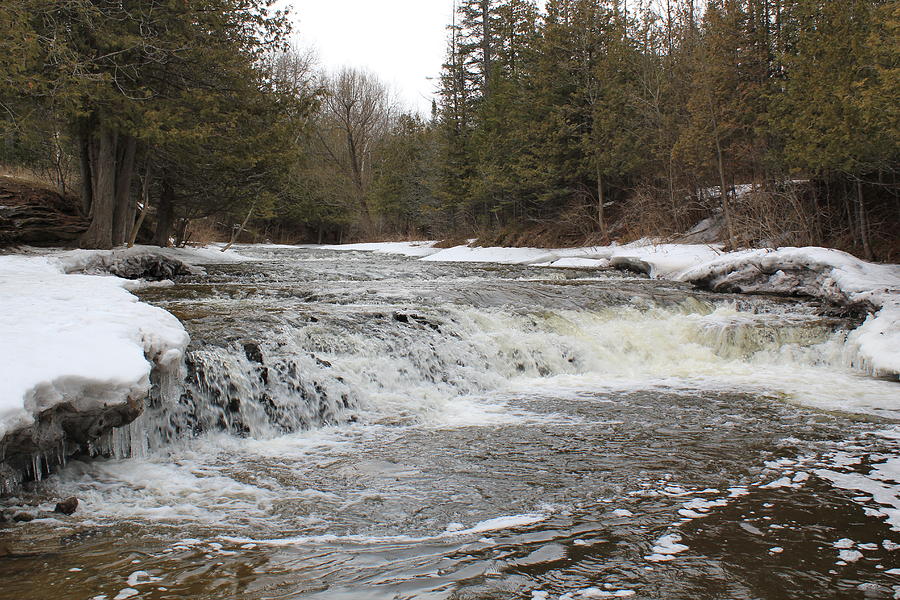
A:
x: 401, y: 41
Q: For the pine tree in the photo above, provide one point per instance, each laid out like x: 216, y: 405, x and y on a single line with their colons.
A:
x: 709, y: 141
x: 839, y: 108
x: 127, y: 76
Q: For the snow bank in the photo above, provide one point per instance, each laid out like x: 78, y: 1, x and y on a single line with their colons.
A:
x: 76, y: 340
x: 411, y: 249
x: 820, y: 273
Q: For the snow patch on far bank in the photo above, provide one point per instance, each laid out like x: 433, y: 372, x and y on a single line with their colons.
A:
x: 411, y: 249
x: 662, y: 260
x: 507, y: 256
x: 75, y: 339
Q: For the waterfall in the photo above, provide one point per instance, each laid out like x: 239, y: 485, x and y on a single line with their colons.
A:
x: 380, y: 364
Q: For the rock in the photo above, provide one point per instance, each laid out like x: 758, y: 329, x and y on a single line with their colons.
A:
x: 630, y: 263
x: 67, y: 506
x: 413, y: 319
x: 23, y: 517
x: 150, y: 267
x: 707, y: 231
x: 253, y: 352
x: 32, y: 214
x: 135, y: 263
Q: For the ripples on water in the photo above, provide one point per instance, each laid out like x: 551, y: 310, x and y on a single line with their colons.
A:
x: 357, y: 426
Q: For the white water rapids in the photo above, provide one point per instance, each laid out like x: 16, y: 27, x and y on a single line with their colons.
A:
x: 358, y: 426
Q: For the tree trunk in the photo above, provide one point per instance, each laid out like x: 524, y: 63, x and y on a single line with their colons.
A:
x: 847, y: 208
x: 165, y: 215
x: 123, y: 213
x: 235, y: 233
x: 93, y: 159
x: 145, y: 207
x: 676, y: 217
x: 87, y: 186
x: 181, y: 236
x: 99, y: 234
x: 357, y: 168
x: 723, y: 192
x: 863, y: 220
x: 723, y: 196
x: 601, y: 209
x: 817, y: 213
x: 487, y: 58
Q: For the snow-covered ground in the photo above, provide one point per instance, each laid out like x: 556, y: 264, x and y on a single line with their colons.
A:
x: 411, y: 249
x: 816, y: 272
x: 80, y: 339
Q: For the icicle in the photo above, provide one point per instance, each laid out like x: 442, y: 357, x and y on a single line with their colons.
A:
x: 36, y: 466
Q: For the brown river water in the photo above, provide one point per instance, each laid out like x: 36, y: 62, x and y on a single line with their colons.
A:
x: 353, y: 426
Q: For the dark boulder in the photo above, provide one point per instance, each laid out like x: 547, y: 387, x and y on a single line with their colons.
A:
x: 135, y: 263
x: 67, y: 506
x: 630, y: 263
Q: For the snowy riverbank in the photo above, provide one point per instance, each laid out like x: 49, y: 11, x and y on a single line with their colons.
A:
x: 78, y: 347
x: 823, y: 273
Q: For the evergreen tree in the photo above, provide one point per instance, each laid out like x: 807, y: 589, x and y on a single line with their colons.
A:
x: 839, y: 107
x: 125, y: 77
x: 401, y: 190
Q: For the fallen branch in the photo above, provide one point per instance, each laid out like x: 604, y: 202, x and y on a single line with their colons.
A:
x: 237, y: 232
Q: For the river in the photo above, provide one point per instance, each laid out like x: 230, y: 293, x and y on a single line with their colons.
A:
x: 356, y: 426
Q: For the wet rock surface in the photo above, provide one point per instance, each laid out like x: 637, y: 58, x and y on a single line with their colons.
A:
x: 67, y: 506
x: 151, y: 265
x: 58, y: 433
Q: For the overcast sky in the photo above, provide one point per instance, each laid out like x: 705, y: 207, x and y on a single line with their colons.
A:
x: 402, y: 41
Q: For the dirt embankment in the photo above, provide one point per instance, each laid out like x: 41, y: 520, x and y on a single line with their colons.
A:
x: 38, y: 216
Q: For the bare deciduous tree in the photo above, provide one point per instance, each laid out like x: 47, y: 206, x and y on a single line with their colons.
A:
x: 356, y: 114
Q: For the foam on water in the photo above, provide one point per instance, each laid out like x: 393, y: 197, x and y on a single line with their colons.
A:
x: 425, y: 366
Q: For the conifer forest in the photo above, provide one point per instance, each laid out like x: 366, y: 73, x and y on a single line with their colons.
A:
x: 579, y: 121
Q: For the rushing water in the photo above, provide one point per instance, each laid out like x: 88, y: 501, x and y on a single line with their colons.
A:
x: 355, y: 426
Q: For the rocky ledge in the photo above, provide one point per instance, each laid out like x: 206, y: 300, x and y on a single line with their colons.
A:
x: 31, y: 214
x: 79, y: 353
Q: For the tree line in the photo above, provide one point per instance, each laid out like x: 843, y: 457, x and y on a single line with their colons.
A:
x: 612, y: 119
x: 584, y: 121
x: 164, y: 106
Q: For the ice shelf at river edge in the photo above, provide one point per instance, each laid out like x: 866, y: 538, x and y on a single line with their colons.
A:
x: 77, y: 350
